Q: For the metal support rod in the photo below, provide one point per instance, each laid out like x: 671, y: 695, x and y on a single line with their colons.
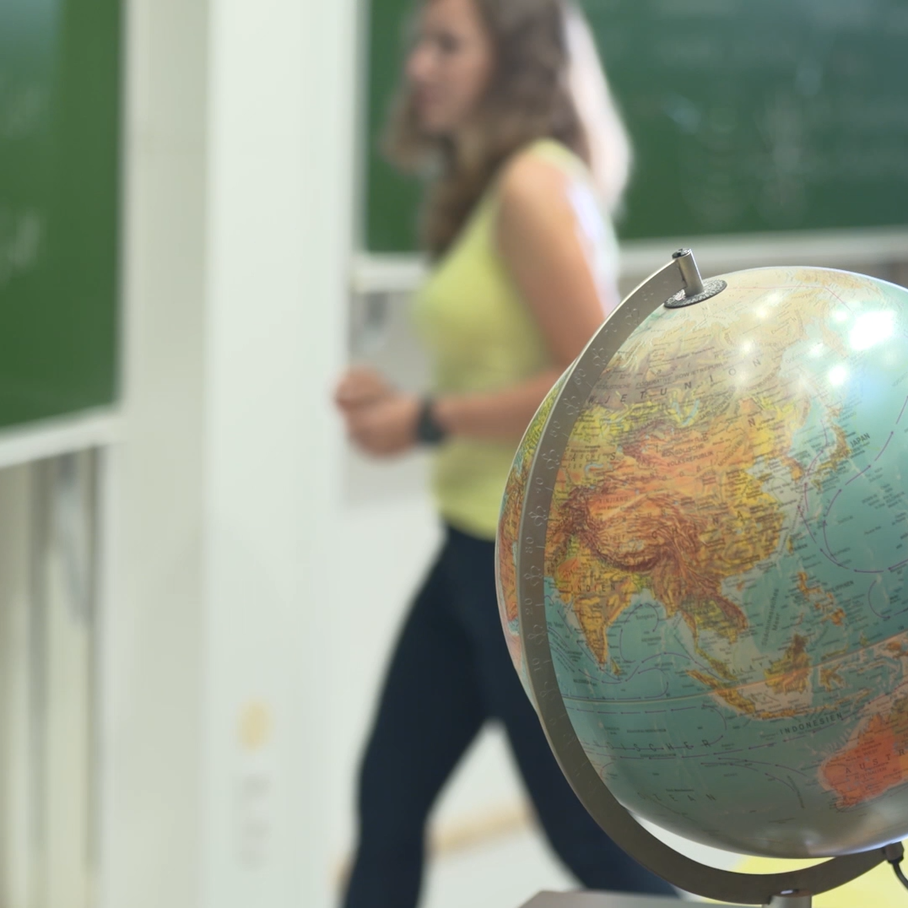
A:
x: 690, y: 273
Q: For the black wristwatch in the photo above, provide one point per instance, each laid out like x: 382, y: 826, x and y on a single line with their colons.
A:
x: 428, y: 430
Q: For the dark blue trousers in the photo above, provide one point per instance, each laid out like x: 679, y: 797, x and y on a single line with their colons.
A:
x: 450, y: 673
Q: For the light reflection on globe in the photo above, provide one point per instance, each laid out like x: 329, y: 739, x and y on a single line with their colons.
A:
x: 726, y: 562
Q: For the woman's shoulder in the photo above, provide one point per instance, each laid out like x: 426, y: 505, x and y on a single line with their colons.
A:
x: 545, y: 191
x: 538, y: 173
x: 556, y: 155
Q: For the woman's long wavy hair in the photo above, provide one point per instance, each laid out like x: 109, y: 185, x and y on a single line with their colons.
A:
x: 547, y: 82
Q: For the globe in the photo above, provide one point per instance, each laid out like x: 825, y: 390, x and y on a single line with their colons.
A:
x: 721, y: 560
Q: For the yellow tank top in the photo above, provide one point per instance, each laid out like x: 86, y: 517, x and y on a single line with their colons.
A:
x: 482, y: 337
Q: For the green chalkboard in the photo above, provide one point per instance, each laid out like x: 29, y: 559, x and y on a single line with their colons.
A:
x: 746, y: 116
x: 59, y: 206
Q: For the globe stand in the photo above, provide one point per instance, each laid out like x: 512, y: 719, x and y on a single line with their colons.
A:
x: 676, y: 285
x: 597, y: 900
x: 793, y: 900
x: 594, y: 900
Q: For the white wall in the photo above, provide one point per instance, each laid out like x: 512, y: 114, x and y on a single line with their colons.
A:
x: 47, y: 744
x: 16, y: 777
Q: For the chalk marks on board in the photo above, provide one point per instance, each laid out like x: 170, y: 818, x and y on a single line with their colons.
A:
x: 21, y: 239
x: 23, y: 108
x: 23, y: 115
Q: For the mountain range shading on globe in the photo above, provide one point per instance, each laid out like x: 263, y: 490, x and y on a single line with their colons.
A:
x: 725, y: 567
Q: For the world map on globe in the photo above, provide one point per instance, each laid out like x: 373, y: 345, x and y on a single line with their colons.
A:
x: 726, y: 557
x: 508, y: 532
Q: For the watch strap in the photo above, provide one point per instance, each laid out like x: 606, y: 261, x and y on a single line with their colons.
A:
x: 428, y: 430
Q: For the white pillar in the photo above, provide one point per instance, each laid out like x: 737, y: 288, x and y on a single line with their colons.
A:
x: 281, y: 151
x: 151, y: 614
x: 222, y: 501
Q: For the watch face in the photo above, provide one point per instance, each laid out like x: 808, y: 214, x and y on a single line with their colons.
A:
x: 428, y: 431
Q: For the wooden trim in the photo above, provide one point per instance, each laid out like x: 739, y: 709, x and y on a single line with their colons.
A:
x: 474, y: 830
x: 467, y: 832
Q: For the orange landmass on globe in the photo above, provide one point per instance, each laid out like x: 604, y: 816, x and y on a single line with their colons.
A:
x: 794, y: 468
x: 791, y: 673
x: 821, y: 599
x: 508, y: 528
x: 841, y: 452
x: 673, y: 511
x: 730, y: 695
x: 831, y: 679
x: 662, y: 487
x: 875, y: 762
x: 817, y: 596
x: 512, y: 508
x: 738, y: 700
x: 666, y: 485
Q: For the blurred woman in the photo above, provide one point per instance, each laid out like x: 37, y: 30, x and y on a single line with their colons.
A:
x: 504, y: 107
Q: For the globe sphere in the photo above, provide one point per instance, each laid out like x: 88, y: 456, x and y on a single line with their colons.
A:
x: 725, y: 563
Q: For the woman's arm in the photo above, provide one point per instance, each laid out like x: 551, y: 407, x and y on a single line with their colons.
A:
x: 541, y: 238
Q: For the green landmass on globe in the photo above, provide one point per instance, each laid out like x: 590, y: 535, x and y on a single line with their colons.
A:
x: 726, y: 555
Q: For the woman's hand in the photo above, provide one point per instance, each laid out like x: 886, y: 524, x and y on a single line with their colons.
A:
x: 386, y: 426
x: 361, y: 386
x: 381, y: 421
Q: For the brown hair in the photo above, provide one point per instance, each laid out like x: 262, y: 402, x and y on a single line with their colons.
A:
x: 547, y: 83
